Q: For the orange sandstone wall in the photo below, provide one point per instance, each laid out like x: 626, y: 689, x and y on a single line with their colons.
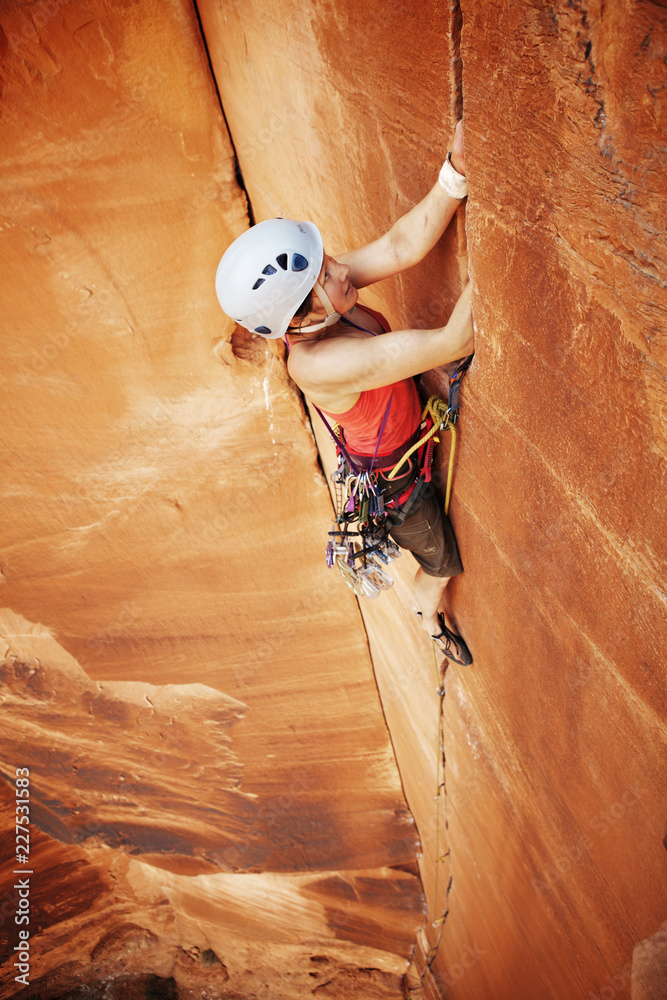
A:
x: 566, y: 727
x: 551, y: 830
x: 215, y: 802
x: 214, y: 798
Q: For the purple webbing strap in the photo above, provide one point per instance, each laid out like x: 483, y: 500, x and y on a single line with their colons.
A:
x: 338, y: 442
x: 382, y: 427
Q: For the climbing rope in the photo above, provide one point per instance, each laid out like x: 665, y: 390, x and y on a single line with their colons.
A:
x: 440, y: 797
x: 441, y: 794
x: 440, y: 414
x: 443, y: 417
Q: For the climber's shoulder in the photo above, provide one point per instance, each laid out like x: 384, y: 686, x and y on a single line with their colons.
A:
x: 322, y: 369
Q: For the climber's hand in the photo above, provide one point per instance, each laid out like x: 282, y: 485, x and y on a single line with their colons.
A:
x: 458, y: 157
x: 460, y: 331
x: 415, y: 233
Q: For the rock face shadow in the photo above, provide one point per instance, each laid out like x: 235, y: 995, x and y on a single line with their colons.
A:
x: 146, y: 769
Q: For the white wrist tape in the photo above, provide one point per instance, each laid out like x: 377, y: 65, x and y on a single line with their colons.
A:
x: 454, y: 183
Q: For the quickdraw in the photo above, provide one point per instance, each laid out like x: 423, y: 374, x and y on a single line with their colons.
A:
x: 360, y: 555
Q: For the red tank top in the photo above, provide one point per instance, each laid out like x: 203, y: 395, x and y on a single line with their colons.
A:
x: 361, y: 423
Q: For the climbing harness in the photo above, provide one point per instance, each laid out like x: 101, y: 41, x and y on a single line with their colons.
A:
x: 359, y: 555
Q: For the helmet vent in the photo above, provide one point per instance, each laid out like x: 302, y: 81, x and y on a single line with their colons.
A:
x: 282, y: 260
x: 269, y: 269
x: 260, y: 281
x: 299, y: 263
x: 262, y: 329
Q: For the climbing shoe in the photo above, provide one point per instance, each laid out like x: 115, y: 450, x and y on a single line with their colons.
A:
x: 452, y: 645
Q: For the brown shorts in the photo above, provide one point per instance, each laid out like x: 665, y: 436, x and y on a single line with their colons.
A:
x: 426, y: 530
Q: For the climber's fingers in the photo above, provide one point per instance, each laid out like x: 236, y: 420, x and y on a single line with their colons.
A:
x: 458, y: 155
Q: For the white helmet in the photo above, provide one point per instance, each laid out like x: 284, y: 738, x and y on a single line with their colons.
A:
x: 266, y: 274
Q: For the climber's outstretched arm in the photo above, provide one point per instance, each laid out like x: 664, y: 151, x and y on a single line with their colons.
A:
x: 333, y: 371
x: 412, y: 236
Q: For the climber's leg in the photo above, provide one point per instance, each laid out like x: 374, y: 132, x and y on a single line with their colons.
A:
x: 428, y: 594
x: 428, y: 534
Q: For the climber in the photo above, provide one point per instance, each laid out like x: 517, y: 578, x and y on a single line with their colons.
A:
x: 276, y: 280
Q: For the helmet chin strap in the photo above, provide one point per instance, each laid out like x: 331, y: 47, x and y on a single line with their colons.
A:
x: 331, y: 315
